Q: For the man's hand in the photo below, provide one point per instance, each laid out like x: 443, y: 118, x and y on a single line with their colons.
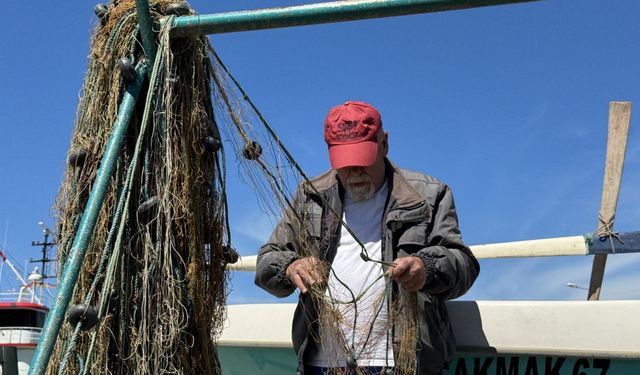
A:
x: 410, y: 273
x: 305, y: 272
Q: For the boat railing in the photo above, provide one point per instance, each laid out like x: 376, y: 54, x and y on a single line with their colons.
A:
x: 19, y: 335
x: 21, y: 296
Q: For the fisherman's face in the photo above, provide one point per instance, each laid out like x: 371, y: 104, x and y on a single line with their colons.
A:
x: 361, y: 183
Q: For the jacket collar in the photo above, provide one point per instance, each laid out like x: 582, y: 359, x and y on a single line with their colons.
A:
x: 401, y: 191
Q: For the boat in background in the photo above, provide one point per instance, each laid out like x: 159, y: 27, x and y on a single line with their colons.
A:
x: 20, y: 329
x: 23, y: 313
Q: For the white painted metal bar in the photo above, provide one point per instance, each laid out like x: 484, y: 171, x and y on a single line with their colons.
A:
x: 244, y: 264
x: 549, y: 247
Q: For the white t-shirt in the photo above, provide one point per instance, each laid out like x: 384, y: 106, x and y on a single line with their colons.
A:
x: 365, y: 220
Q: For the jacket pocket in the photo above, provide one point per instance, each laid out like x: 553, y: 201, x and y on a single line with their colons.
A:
x: 410, y: 228
x: 412, y: 237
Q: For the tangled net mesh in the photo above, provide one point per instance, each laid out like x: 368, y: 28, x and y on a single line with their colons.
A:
x: 155, y: 266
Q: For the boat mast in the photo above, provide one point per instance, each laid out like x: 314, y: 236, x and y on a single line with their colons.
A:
x: 45, y: 256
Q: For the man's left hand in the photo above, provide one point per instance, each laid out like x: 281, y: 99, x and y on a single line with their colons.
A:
x: 409, y: 272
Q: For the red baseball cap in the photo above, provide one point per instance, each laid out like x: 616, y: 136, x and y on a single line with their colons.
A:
x: 351, y: 132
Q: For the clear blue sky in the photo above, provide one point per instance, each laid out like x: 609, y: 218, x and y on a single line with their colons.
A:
x: 506, y: 104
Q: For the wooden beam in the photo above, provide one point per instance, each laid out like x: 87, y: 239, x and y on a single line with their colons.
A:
x: 619, y: 115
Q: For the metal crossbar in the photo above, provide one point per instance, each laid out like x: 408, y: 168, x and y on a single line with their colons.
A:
x: 311, y: 14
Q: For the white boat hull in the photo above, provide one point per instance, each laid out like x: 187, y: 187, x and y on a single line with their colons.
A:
x: 533, y: 337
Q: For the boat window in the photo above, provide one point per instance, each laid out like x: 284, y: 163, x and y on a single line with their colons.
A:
x: 21, y: 318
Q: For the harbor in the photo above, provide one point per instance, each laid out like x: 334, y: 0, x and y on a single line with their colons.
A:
x: 534, y: 146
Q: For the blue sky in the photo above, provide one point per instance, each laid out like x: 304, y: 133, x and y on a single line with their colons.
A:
x: 508, y: 105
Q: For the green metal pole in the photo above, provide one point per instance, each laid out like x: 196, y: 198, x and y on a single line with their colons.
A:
x: 72, y: 266
x: 146, y: 30
x: 318, y: 13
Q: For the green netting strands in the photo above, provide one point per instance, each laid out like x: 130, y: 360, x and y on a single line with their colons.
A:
x: 155, y: 267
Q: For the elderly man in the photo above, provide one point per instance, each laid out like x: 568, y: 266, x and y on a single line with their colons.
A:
x: 364, y: 229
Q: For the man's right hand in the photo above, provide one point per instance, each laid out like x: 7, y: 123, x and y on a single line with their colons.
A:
x: 305, y: 272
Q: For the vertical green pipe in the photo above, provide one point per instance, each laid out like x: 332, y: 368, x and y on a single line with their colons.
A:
x: 72, y: 266
x: 146, y: 29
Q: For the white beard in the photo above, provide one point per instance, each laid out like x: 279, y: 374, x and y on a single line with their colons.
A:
x: 360, y: 193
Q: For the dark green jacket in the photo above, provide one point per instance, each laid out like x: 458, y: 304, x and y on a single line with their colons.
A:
x: 419, y: 219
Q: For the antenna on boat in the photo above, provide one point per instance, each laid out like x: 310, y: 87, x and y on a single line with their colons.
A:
x: 6, y: 230
x: 45, y: 257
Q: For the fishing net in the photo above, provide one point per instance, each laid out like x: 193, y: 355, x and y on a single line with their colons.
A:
x: 155, y: 266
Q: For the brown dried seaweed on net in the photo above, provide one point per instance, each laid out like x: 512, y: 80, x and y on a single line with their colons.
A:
x: 399, y: 331
x: 154, y: 267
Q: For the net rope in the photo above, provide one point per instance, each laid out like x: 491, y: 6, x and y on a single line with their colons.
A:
x: 156, y: 264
